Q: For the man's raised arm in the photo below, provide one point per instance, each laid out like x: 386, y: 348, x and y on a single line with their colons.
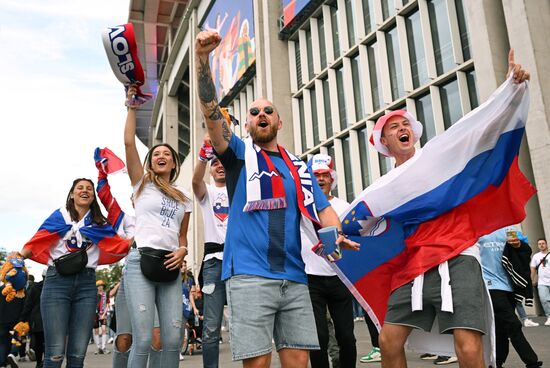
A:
x: 218, y: 128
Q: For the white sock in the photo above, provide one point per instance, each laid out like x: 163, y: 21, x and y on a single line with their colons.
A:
x: 96, y: 340
x: 103, y: 341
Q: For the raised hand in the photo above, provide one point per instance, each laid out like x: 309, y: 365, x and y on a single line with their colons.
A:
x: 206, y: 41
x: 519, y: 74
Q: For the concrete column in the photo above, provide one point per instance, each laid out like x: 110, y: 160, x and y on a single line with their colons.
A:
x: 272, y: 66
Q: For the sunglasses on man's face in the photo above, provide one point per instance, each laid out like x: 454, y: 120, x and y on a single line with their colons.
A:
x: 255, y: 110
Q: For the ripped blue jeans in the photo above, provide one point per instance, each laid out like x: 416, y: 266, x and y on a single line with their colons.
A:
x: 142, y: 295
x: 68, y: 306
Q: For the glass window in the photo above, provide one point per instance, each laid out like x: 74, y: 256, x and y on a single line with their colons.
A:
x: 441, y: 36
x: 463, y: 29
x: 356, y: 75
x: 322, y: 45
x: 416, y: 50
x: 425, y: 115
x: 350, y: 195
x: 364, y: 156
x: 309, y: 48
x: 388, y: 8
x: 450, y: 103
x: 394, y: 63
x: 326, y: 103
x: 341, y: 98
x: 368, y: 15
x: 350, y: 20
x: 330, y: 150
x: 335, y: 27
x: 314, y: 118
x: 472, y: 89
x: 385, y: 164
x: 375, y: 84
x: 302, y: 123
x: 298, y: 64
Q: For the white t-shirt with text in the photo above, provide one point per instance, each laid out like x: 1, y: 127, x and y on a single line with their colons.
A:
x: 158, y: 218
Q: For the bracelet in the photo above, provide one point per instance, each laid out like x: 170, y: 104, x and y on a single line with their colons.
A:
x: 340, y: 232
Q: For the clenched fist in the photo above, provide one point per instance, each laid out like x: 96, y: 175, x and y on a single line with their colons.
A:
x: 207, y: 41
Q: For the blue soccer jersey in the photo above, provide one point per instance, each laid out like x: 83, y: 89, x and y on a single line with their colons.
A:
x: 263, y: 243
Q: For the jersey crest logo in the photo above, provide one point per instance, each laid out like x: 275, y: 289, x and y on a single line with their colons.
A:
x: 262, y: 173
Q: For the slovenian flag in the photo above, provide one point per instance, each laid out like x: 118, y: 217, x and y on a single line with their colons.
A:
x: 463, y: 184
x: 112, y: 248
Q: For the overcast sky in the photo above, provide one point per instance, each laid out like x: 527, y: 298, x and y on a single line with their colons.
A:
x: 59, y: 100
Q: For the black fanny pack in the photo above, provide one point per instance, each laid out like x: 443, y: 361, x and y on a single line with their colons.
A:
x: 72, y: 263
x: 152, y: 265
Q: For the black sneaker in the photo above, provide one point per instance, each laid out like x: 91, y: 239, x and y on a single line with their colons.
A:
x: 11, y: 361
x: 442, y: 360
x: 428, y: 356
x: 101, y: 351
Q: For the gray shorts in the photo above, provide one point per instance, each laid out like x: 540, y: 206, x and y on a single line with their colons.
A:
x: 469, y: 300
x: 262, y: 310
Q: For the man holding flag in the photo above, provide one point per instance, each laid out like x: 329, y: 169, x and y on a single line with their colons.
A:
x: 419, y: 222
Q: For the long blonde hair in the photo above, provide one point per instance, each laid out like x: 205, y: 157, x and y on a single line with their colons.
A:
x: 167, y: 188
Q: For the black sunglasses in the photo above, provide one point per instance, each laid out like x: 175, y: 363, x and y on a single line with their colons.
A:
x: 255, y: 110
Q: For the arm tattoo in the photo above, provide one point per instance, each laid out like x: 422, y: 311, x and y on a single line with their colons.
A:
x: 215, y: 113
x: 226, y: 131
x: 207, y: 89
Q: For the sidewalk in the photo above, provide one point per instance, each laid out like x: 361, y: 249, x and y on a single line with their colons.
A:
x: 537, y: 336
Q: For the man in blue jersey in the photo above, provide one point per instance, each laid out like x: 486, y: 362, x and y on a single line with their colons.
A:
x: 272, y: 198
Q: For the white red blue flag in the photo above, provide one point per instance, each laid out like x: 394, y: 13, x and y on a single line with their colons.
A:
x: 463, y: 184
x: 112, y: 248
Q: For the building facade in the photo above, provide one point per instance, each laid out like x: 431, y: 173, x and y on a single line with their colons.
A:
x: 333, y: 67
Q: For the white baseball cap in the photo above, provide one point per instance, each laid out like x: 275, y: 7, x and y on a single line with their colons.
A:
x: 321, y: 163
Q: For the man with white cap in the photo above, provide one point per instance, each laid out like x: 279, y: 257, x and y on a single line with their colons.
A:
x: 325, y: 288
x: 457, y: 282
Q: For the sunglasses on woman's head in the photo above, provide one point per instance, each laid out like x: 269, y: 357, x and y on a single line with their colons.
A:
x: 256, y: 110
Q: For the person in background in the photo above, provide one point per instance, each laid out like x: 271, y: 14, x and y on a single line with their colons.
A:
x: 540, y: 276
x: 326, y: 290
x: 505, y: 264
x: 214, y: 203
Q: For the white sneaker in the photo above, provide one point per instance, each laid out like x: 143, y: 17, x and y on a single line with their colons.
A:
x: 181, y: 357
x: 110, y: 340
x: 529, y: 323
x: 547, y: 323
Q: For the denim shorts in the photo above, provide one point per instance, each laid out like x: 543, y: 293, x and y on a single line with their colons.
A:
x: 262, y: 310
x: 469, y: 300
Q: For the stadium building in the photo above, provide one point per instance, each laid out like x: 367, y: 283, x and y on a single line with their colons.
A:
x: 333, y: 67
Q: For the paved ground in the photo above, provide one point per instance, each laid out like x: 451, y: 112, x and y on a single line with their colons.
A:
x: 537, y: 336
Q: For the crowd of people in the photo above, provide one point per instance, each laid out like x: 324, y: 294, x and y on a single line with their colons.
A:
x: 261, y: 209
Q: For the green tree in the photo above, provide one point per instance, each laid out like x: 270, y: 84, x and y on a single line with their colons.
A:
x: 3, y: 254
x: 110, y: 275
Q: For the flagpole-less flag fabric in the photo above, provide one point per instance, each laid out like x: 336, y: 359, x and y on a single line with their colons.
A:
x: 463, y: 184
x: 122, y: 52
x: 112, y: 248
x: 108, y: 163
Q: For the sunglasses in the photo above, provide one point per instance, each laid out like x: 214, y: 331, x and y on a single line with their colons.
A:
x: 255, y: 110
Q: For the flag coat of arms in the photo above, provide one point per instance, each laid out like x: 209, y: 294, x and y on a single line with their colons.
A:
x: 463, y: 184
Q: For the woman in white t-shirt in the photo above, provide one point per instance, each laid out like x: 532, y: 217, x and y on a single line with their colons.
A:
x: 160, y: 245
x: 72, y: 242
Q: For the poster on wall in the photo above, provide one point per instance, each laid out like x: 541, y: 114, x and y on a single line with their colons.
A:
x: 291, y: 8
x: 234, y: 21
